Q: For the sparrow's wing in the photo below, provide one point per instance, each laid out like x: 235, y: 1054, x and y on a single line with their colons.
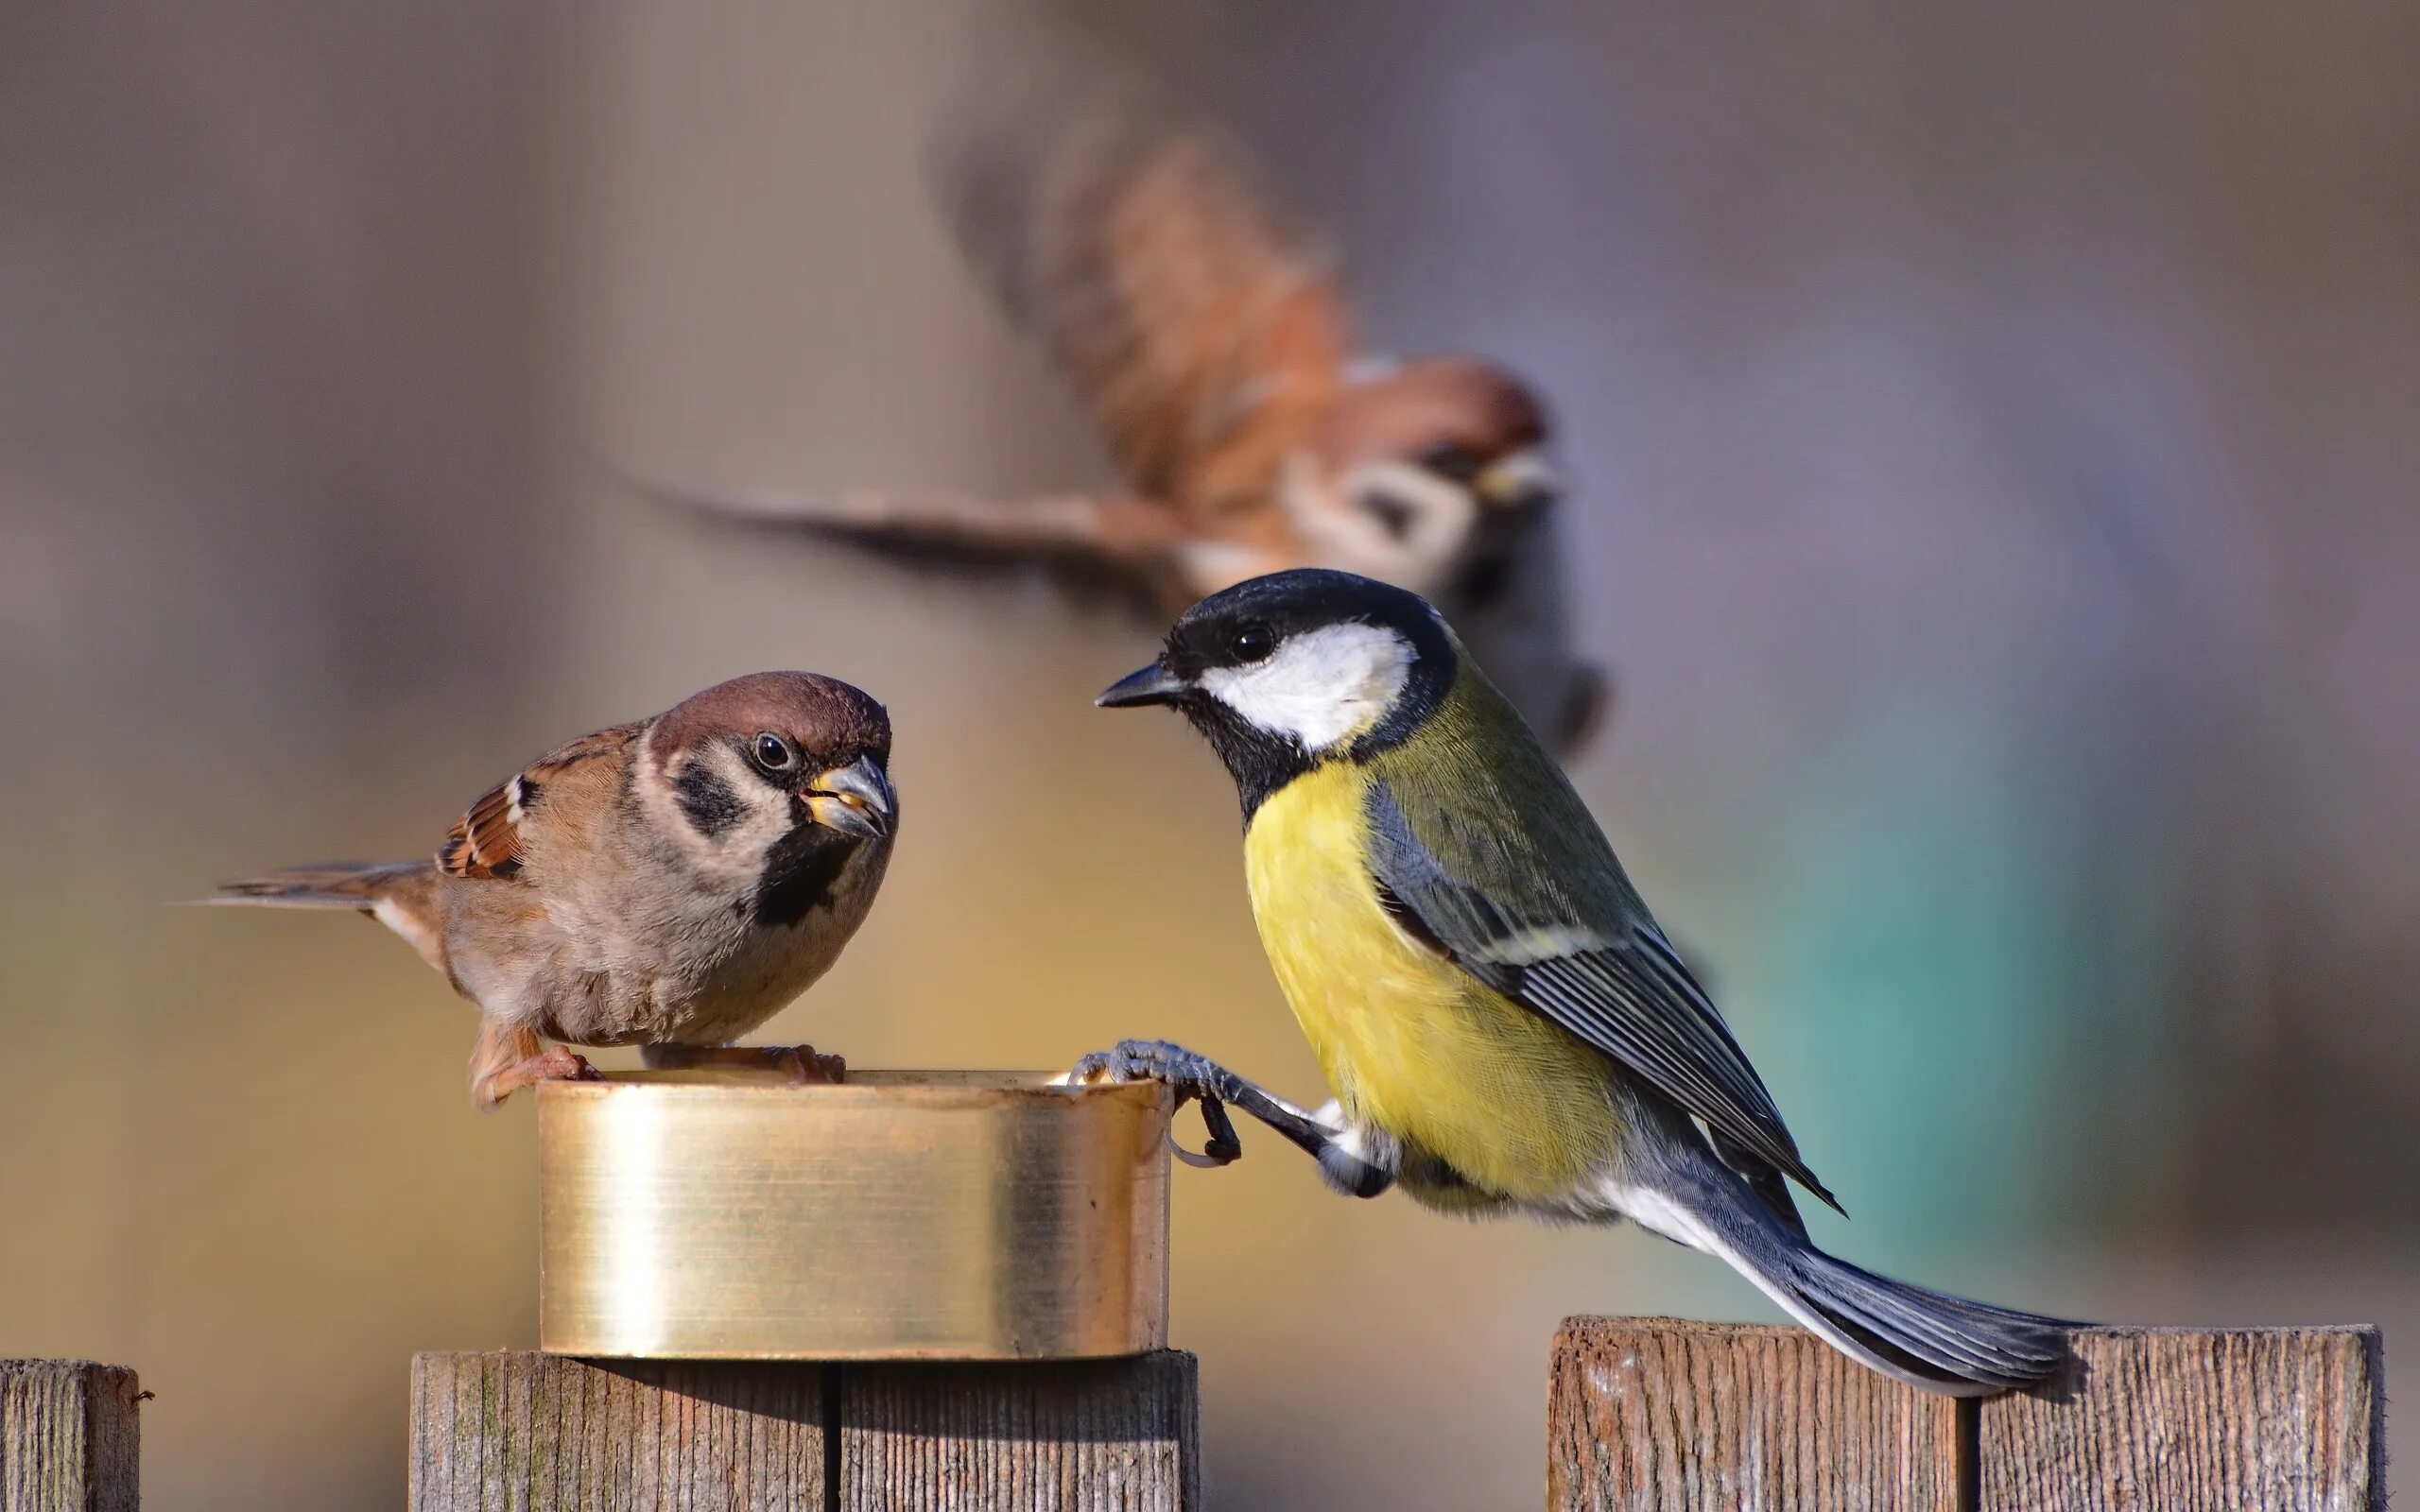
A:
x: 1555, y: 926
x: 1124, y: 532
x: 1203, y: 331
x: 486, y: 840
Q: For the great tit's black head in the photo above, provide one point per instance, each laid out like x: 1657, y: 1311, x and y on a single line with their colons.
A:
x: 1284, y: 671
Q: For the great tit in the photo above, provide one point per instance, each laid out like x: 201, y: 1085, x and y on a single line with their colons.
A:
x: 1503, y: 1024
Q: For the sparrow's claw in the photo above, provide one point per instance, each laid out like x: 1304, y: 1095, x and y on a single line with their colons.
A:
x: 554, y: 1063
x: 803, y: 1063
x: 1193, y: 1078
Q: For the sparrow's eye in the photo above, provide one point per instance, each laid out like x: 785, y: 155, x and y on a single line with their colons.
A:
x: 773, y: 753
x: 1252, y: 642
x: 1452, y: 459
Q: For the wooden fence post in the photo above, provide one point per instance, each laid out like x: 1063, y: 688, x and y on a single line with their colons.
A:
x: 1104, y: 1435
x: 1665, y: 1414
x: 1654, y: 1413
x: 535, y: 1433
x: 69, y: 1437
x: 2166, y: 1419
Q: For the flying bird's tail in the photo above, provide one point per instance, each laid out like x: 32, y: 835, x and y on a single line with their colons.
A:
x: 1125, y: 536
x: 1926, y: 1338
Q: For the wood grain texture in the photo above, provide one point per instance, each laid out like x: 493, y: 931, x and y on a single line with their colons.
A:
x: 1091, y: 1435
x: 521, y: 1432
x: 69, y: 1437
x: 1659, y: 1413
x: 2188, y: 1421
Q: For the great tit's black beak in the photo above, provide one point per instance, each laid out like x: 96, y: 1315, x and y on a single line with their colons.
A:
x: 1151, y: 685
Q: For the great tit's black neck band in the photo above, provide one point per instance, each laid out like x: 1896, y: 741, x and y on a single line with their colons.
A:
x: 1260, y: 761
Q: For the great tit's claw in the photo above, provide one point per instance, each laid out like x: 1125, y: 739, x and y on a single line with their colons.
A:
x: 1191, y: 1076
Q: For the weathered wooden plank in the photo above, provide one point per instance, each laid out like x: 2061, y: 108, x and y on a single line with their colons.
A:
x: 1094, y: 1436
x: 69, y: 1437
x: 522, y: 1432
x: 531, y: 1432
x: 2185, y: 1420
x: 1658, y: 1413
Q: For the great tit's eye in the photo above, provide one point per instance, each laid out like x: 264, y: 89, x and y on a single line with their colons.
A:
x: 1452, y: 459
x: 773, y: 753
x: 1252, y: 642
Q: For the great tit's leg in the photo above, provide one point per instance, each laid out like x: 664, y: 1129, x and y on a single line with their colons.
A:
x: 1346, y: 1163
x: 1136, y: 1060
x: 802, y: 1062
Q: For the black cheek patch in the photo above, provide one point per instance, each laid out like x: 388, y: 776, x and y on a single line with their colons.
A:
x: 799, y: 874
x: 707, y: 800
x: 1393, y: 513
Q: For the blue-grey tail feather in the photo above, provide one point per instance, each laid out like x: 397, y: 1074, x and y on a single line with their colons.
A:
x: 1926, y: 1338
x: 1935, y: 1340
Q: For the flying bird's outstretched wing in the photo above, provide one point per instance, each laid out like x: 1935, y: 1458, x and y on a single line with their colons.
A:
x: 1204, y: 333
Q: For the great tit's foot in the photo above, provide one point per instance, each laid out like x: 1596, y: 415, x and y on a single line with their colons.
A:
x: 1358, y: 1162
x: 1191, y: 1076
x: 801, y: 1063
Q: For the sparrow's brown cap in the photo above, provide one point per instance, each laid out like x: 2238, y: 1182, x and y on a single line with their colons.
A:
x: 824, y: 717
x: 1429, y: 403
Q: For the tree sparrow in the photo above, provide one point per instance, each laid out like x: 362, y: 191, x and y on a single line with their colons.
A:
x: 1208, y: 338
x: 670, y: 884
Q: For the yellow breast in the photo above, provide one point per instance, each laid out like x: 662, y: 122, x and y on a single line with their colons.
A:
x: 1409, y: 1042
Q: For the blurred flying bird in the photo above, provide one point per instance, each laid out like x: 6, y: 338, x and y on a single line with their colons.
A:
x: 1503, y: 1023
x: 670, y: 884
x: 1207, y: 337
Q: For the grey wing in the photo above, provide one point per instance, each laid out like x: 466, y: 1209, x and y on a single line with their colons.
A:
x: 1619, y: 985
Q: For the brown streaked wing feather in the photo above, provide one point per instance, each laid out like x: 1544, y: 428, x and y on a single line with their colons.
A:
x: 1204, y: 331
x: 486, y: 841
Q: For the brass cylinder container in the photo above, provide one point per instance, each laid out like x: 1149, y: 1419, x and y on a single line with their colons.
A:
x: 900, y: 1215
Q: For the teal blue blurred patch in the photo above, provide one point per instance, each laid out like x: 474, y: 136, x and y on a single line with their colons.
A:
x: 1957, y: 994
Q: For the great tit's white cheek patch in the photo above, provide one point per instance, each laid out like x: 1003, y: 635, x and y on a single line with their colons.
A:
x: 1321, y: 686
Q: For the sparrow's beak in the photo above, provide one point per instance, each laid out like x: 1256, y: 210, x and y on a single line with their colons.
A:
x: 1519, y: 482
x: 854, y: 800
x: 1152, y: 684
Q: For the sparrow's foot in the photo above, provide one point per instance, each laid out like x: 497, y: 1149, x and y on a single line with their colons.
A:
x: 1193, y: 1077
x: 802, y: 1063
x: 554, y: 1063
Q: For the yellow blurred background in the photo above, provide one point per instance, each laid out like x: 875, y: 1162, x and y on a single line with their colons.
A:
x: 1996, y: 440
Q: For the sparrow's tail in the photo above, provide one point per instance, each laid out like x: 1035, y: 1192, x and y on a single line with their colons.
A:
x: 402, y: 895
x: 359, y: 885
x: 1926, y: 1338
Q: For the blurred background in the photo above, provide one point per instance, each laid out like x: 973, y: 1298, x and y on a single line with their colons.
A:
x: 1996, y: 444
